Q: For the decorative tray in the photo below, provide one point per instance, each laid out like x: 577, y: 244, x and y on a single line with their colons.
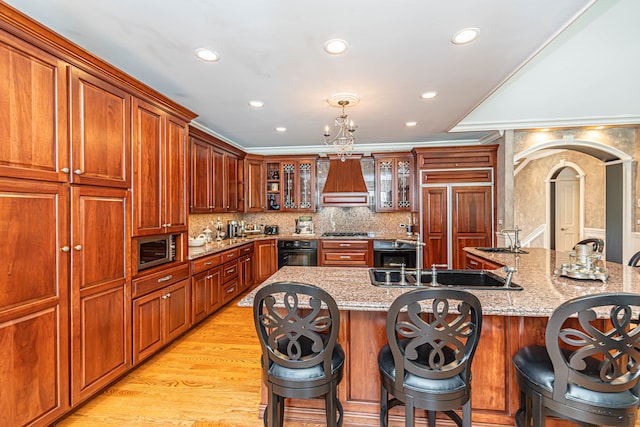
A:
x: 579, y: 272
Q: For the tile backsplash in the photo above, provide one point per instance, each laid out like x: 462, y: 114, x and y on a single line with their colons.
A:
x: 326, y: 219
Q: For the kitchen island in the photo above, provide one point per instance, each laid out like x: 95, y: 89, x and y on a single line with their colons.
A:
x: 511, y: 319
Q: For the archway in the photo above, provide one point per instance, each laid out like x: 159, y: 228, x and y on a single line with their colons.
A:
x: 615, y: 160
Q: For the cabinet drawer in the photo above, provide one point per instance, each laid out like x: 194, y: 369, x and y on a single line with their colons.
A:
x: 205, y: 263
x: 246, y: 249
x: 230, y: 291
x: 351, y: 258
x: 159, y: 280
x: 230, y: 254
x: 345, y: 244
x: 229, y: 271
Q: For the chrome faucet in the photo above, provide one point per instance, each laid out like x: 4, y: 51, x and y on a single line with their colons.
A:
x: 510, y: 271
x: 434, y: 273
x: 514, y: 244
x: 418, y: 244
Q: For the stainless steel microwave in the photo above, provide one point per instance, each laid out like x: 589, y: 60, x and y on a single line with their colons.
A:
x: 156, y: 250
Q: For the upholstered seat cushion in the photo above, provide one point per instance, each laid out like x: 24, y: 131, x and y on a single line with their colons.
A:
x: 313, y: 372
x: 411, y: 381
x: 534, y: 367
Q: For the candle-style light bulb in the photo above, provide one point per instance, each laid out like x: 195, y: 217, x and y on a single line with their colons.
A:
x: 326, y: 130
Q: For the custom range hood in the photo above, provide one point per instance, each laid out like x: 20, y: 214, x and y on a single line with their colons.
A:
x: 345, y: 186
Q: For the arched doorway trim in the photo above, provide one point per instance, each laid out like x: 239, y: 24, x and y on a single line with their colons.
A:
x: 551, y: 176
x: 590, y: 146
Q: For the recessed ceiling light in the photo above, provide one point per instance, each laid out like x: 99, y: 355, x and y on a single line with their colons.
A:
x: 256, y: 104
x: 207, y: 55
x: 464, y: 36
x: 429, y: 95
x: 335, y: 46
x: 281, y: 129
x: 411, y: 124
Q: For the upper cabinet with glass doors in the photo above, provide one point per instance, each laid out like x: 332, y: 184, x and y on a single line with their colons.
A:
x: 394, y: 182
x: 291, y: 184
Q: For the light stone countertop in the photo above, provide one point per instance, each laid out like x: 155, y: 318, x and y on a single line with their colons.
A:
x: 543, y: 292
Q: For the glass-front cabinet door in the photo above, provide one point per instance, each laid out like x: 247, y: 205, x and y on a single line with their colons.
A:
x: 291, y: 187
x: 394, y: 182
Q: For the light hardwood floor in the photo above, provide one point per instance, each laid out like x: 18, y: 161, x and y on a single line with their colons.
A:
x: 208, y: 377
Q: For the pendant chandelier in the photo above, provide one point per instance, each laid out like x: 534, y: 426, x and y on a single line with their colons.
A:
x: 343, y: 141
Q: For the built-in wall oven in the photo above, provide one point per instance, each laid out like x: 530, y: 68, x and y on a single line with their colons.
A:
x: 386, y: 254
x: 297, y: 253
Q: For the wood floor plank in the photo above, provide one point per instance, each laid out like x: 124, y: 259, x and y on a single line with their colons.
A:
x: 209, y: 377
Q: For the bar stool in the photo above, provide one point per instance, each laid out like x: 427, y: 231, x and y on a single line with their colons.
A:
x: 427, y: 363
x: 298, y: 325
x: 633, y: 261
x: 588, y: 370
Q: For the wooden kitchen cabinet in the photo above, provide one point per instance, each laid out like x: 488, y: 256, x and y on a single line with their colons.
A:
x: 291, y: 184
x: 206, y: 282
x: 455, y: 217
x: 33, y: 112
x: 346, y: 253
x: 216, y: 171
x: 395, y: 182
x: 246, y: 267
x: 205, y: 293
x: 100, y: 130
x: 161, y: 315
x: 473, y: 262
x: 100, y: 289
x: 160, y: 170
x: 458, y: 201
x: 255, y: 200
x: 34, y: 302
x: 266, y: 259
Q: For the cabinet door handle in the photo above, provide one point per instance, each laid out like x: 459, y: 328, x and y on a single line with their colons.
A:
x: 231, y: 270
x: 230, y: 255
x: 165, y: 278
x: 209, y: 276
x: 231, y: 289
x: 208, y: 263
x: 211, y: 207
x: 345, y: 244
x: 345, y: 256
x: 472, y: 262
x: 77, y: 172
x: 166, y: 296
x: 64, y: 170
x: 78, y: 247
x: 65, y: 249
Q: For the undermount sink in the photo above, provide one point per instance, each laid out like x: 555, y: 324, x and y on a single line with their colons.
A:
x: 462, y: 279
x: 502, y: 250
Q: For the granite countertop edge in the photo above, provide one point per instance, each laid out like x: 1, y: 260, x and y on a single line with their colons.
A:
x: 543, y: 291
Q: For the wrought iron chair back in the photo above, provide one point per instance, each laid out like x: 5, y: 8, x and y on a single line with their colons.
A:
x: 615, y: 343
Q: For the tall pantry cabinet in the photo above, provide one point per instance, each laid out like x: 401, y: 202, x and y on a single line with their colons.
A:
x: 457, y: 197
x: 65, y: 212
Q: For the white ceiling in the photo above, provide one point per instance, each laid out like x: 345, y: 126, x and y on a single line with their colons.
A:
x: 273, y: 51
x: 589, y: 75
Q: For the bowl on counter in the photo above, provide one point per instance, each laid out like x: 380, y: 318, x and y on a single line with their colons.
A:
x: 197, y: 241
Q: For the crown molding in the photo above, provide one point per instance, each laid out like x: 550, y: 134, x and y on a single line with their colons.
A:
x: 547, y: 123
